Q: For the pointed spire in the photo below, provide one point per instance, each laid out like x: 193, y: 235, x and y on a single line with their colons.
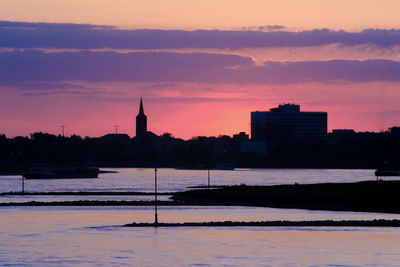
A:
x: 141, y: 112
x: 141, y: 120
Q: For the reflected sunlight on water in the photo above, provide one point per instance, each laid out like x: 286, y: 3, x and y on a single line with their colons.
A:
x: 91, y: 236
x: 135, y: 179
x: 87, y: 236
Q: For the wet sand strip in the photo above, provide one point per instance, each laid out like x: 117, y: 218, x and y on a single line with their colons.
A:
x: 86, y: 193
x: 325, y: 223
x: 97, y: 203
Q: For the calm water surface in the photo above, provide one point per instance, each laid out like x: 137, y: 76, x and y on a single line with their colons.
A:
x: 93, y: 236
x: 89, y: 236
x: 170, y: 180
x: 132, y: 179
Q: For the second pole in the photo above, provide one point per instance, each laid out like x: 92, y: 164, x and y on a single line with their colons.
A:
x: 155, y: 198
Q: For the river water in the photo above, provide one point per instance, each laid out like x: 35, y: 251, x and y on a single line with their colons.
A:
x: 132, y: 179
x: 93, y: 236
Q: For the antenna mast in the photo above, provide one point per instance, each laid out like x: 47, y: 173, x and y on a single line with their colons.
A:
x: 63, y: 128
x: 116, y: 126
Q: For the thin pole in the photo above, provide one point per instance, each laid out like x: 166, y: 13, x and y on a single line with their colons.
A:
x: 208, y: 177
x: 63, y: 128
x: 116, y: 126
x: 23, y: 185
x: 155, y: 198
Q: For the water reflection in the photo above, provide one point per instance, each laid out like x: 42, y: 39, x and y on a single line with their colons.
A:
x: 120, y: 215
x: 63, y: 236
x: 132, y: 179
x: 92, y: 235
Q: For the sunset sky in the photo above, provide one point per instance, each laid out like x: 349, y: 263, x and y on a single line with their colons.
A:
x: 200, y: 66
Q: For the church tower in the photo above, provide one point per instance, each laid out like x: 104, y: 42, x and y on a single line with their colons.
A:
x: 141, y: 121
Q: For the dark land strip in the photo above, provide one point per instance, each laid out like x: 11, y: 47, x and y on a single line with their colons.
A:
x: 326, y: 223
x: 366, y: 196
x: 85, y: 193
x: 96, y: 203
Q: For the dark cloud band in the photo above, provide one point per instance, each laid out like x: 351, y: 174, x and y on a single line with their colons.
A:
x: 35, y: 66
x: 80, y: 36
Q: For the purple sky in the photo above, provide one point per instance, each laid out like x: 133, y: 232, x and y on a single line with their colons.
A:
x: 202, y: 82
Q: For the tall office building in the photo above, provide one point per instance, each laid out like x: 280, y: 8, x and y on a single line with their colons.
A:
x: 141, y: 121
x: 288, y: 123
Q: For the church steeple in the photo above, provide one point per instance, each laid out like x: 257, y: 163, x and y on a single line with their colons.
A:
x: 141, y: 121
x: 141, y: 112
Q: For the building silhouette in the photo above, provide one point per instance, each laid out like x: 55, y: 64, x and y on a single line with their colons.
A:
x: 141, y: 121
x: 287, y: 123
x: 240, y: 137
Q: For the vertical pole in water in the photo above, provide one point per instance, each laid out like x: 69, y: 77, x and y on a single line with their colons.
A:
x: 23, y: 185
x: 155, y: 198
x: 208, y: 177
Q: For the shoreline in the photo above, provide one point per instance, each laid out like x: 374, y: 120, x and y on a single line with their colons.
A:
x: 88, y: 203
x: 85, y: 193
x: 324, y: 223
x: 19, y: 172
x: 365, y: 196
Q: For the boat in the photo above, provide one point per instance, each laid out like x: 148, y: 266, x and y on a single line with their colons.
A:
x: 61, y: 173
x: 388, y: 169
x: 224, y: 166
x: 387, y: 172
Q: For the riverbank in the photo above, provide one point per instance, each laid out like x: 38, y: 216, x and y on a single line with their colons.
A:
x: 325, y: 223
x: 85, y: 193
x: 86, y: 203
x: 367, y: 196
